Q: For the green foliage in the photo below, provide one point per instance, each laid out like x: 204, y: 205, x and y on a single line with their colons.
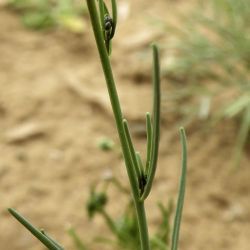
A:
x: 124, y: 229
x: 213, y: 58
x: 96, y: 203
x: 140, y: 176
x: 44, y: 14
x: 132, y: 230
x: 38, y: 233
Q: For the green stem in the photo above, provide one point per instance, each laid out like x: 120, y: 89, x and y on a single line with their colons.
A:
x: 112, y: 93
x: 142, y: 223
x: 110, y: 222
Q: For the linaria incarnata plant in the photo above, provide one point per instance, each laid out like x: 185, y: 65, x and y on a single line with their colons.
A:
x: 140, y: 175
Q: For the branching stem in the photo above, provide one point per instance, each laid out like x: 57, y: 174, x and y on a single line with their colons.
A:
x: 139, y: 205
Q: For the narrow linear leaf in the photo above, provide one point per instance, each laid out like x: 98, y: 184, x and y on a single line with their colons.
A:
x: 156, y: 122
x: 139, y: 161
x: 114, y: 17
x: 36, y: 232
x: 105, y: 8
x: 149, y: 141
x: 131, y: 148
x: 51, y: 239
x: 181, y: 194
x: 106, y: 11
x: 101, y: 13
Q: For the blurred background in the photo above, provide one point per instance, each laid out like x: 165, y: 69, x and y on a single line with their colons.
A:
x: 58, y: 139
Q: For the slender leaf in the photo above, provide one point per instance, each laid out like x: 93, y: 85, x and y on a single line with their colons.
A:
x: 156, y: 122
x: 51, y: 239
x: 181, y: 195
x: 131, y: 148
x: 114, y: 17
x: 140, y: 164
x: 149, y: 141
x: 101, y: 14
x: 36, y: 232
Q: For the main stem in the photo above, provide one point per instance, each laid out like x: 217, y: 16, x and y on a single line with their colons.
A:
x: 139, y: 205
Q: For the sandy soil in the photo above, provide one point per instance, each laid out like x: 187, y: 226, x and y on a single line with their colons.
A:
x: 54, y: 109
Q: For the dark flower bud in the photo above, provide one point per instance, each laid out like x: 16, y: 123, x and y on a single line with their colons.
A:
x: 108, y: 23
x: 96, y: 203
